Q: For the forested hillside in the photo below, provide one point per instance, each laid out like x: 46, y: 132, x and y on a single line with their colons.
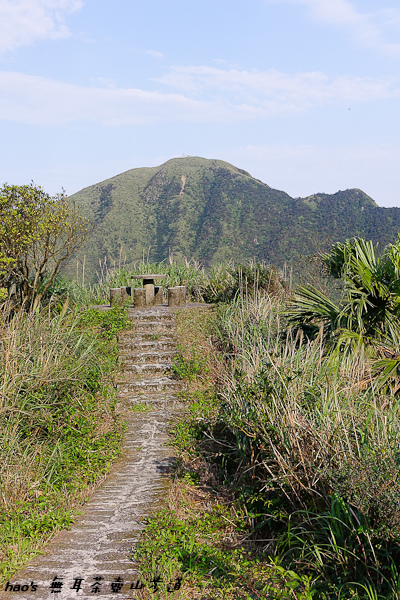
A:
x: 212, y: 211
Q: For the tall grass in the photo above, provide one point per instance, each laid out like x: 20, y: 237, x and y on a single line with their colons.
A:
x: 58, y: 428
x: 313, y: 449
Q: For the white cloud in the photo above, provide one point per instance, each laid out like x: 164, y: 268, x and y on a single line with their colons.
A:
x: 155, y: 54
x: 23, y: 22
x: 277, y: 91
x: 200, y: 94
x: 42, y: 101
x: 370, y: 28
x: 103, y: 82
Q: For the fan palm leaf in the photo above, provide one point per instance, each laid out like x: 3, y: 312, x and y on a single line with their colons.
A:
x: 310, y: 309
x: 367, y: 317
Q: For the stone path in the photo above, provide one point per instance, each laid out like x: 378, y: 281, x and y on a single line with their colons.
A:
x: 147, y: 352
x: 101, y: 543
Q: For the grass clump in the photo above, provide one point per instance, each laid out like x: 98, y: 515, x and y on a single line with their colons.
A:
x: 58, y: 430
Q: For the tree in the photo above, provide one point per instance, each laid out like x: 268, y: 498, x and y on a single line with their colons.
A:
x: 38, y: 233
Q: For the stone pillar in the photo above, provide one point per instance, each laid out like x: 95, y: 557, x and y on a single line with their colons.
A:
x: 149, y: 288
x: 177, y: 296
x: 115, y: 296
x: 139, y: 298
x: 120, y: 295
x: 158, y: 295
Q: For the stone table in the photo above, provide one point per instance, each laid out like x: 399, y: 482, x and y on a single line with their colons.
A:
x: 149, y: 280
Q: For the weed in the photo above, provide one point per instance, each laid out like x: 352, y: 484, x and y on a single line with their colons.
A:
x: 189, y: 368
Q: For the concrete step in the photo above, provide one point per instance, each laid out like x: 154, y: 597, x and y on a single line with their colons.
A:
x: 146, y: 354
x: 144, y: 358
x: 136, y: 348
x: 154, y: 312
x: 157, y: 332
x: 149, y: 386
x: 147, y: 336
x: 155, y: 399
x: 132, y: 370
x: 151, y: 316
x: 153, y: 326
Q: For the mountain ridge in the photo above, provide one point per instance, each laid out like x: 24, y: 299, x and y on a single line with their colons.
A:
x: 210, y: 210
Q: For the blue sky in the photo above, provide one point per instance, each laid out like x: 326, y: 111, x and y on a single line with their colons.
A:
x: 303, y: 94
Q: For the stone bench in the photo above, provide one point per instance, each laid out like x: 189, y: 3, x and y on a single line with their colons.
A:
x: 177, y: 296
x: 149, y: 294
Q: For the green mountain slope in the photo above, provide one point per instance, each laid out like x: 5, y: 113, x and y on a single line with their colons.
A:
x: 210, y: 210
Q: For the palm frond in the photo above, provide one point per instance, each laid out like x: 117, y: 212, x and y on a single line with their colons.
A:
x: 310, y: 309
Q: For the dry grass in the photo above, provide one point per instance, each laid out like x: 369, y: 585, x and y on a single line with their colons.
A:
x: 308, y: 410
x: 56, y: 417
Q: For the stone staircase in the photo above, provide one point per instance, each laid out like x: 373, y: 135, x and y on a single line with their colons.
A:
x: 146, y: 354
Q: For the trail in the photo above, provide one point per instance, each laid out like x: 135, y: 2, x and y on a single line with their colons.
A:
x: 101, y: 543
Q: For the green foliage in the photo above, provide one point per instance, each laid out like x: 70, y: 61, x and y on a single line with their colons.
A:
x: 24, y: 529
x: 340, y: 544
x: 142, y: 407
x: 194, y: 546
x: 38, y: 233
x: 107, y: 323
x: 189, y: 368
x: 370, y: 297
x: 366, y: 320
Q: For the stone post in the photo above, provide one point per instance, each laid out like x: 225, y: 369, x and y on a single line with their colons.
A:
x: 177, y: 296
x: 158, y: 295
x: 139, y: 298
x: 115, y: 296
x: 149, y: 288
x: 120, y: 295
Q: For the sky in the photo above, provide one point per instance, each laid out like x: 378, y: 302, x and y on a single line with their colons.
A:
x: 302, y: 94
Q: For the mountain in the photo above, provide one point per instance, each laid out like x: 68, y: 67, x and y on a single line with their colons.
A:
x: 210, y: 210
